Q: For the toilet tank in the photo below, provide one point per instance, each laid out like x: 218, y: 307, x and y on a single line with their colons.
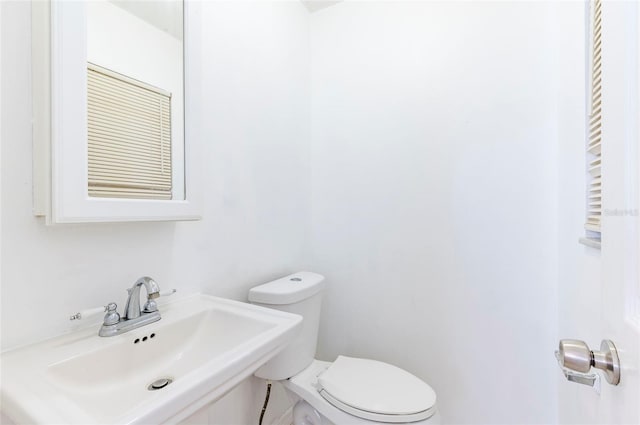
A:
x: 299, y: 293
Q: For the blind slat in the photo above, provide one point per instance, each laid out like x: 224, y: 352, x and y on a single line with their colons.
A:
x: 118, y: 147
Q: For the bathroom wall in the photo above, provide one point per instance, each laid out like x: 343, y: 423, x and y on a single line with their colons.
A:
x: 427, y: 195
x: 255, y: 136
x: 434, y: 215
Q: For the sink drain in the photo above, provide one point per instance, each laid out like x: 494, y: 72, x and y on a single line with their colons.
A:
x: 159, y: 384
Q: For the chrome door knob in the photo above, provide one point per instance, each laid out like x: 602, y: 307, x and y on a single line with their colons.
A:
x: 608, y: 361
x: 576, y: 355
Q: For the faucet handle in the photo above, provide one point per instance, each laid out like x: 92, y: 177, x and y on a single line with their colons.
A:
x: 167, y: 293
x: 150, y: 306
x: 87, y: 313
x: 110, y: 318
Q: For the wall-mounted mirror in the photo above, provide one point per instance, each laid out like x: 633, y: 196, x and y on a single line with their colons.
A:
x: 117, y: 115
x: 135, y: 102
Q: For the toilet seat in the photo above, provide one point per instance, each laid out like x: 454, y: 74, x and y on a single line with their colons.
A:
x: 376, y: 391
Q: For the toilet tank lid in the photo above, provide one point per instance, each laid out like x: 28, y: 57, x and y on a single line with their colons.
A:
x: 288, y: 290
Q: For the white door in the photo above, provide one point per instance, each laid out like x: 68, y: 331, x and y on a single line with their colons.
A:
x: 599, y: 293
x: 621, y: 186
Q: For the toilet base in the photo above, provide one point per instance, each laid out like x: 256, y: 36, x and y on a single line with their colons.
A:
x: 304, y: 414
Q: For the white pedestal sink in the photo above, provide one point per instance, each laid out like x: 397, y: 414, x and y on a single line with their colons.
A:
x: 203, y: 344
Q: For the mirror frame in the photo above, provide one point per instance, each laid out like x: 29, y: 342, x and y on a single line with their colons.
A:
x: 60, y: 160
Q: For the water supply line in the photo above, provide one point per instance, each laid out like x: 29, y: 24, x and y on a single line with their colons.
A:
x: 266, y: 401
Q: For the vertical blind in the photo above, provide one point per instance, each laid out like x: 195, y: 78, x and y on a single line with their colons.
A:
x: 594, y: 145
x: 129, y: 132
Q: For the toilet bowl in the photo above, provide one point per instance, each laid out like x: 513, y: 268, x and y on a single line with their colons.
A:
x: 344, y: 392
x: 375, y: 406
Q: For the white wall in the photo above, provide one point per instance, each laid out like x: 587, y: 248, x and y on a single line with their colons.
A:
x: 255, y: 213
x: 433, y: 172
x: 434, y: 209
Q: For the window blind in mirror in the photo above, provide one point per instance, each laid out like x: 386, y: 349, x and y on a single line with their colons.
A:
x: 594, y: 143
x: 129, y: 132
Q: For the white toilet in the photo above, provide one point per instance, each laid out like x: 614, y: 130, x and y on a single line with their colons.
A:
x: 347, y: 391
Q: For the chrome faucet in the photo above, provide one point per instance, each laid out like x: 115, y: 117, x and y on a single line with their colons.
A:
x: 132, y: 307
x: 134, y: 317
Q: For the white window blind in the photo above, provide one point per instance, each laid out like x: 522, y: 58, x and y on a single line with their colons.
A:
x: 594, y: 143
x: 129, y: 132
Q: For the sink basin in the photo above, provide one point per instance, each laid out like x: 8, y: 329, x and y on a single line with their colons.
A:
x: 203, y: 345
